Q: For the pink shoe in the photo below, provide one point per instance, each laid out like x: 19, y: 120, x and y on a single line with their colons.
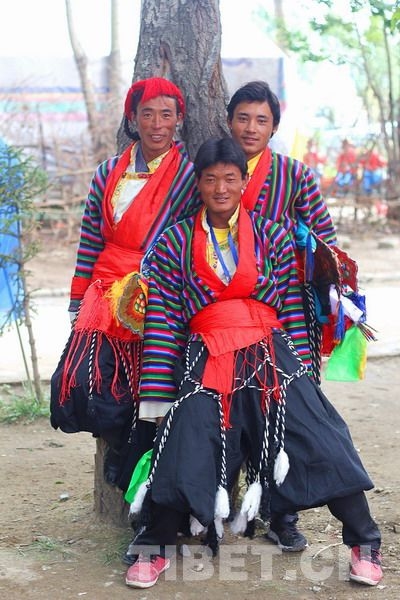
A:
x: 365, y: 565
x: 145, y: 571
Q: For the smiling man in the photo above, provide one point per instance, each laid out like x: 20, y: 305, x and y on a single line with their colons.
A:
x: 132, y: 199
x: 284, y: 190
x: 156, y: 120
x: 222, y: 379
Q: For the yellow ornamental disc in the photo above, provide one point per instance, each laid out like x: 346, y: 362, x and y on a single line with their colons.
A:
x: 132, y: 304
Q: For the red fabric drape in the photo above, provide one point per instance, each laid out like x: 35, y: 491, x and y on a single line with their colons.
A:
x: 253, y: 188
x: 138, y: 219
x: 245, y: 277
x: 235, y: 321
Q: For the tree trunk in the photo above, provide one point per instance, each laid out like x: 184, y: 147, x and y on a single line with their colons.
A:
x: 181, y: 41
x: 109, y: 504
x: 81, y: 62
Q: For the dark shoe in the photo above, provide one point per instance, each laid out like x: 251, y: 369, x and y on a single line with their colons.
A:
x: 365, y: 565
x: 287, y: 536
x: 146, y: 571
x: 131, y: 555
x: 129, y: 559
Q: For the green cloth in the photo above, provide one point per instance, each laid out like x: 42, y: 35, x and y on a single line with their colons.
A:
x: 348, y: 359
x: 139, y: 475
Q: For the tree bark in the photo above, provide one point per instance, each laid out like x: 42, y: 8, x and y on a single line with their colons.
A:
x: 181, y: 41
x: 81, y: 62
x: 109, y: 503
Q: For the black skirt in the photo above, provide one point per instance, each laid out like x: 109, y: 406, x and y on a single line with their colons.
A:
x: 91, y: 407
x: 109, y: 410
x: 324, y: 463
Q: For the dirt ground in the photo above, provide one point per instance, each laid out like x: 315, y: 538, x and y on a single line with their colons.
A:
x: 53, y: 547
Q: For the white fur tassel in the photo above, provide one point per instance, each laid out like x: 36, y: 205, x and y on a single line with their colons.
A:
x: 195, y: 526
x: 221, y: 504
x: 249, y: 509
x: 251, y: 500
x: 136, y: 505
x: 281, y: 467
x: 239, y: 523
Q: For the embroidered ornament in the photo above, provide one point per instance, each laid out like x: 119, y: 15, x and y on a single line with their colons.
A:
x: 348, y: 269
x: 132, y: 302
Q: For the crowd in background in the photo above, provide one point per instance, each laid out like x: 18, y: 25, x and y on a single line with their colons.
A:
x: 360, y: 169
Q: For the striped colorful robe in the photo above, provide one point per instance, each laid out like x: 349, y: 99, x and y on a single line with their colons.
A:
x: 176, y: 293
x: 184, y: 203
x: 289, y: 193
x: 195, y: 457
x: 95, y: 385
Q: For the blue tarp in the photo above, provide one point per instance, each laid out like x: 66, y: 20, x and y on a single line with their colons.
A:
x: 11, y: 292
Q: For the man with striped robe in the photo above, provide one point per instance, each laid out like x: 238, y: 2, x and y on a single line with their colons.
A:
x: 284, y: 190
x: 223, y: 380
x: 132, y: 199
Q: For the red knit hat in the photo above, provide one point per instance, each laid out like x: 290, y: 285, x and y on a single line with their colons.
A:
x: 153, y: 87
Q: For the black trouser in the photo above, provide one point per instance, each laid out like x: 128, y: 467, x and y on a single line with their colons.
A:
x: 359, y: 529
x: 162, y: 532
x: 194, y: 445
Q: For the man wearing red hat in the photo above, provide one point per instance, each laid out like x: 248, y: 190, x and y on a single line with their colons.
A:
x: 132, y: 199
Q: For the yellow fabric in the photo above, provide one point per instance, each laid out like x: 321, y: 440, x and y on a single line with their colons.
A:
x: 222, y: 239
x: 252, y: 163
x: 221, y: 235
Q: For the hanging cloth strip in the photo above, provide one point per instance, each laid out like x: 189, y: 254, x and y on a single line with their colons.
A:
x: 253, y: 188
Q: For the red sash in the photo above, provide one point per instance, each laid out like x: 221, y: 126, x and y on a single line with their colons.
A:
x: 235, y: 321
x: 246, y: 275
x: 133, y: 228
x: 253, y: 188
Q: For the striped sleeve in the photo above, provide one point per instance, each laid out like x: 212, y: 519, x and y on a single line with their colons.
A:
x: 91, y: 241
x: 285, y: 275
x: 279, y: 248
x: 312, y: 207
x: 165, y: 331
